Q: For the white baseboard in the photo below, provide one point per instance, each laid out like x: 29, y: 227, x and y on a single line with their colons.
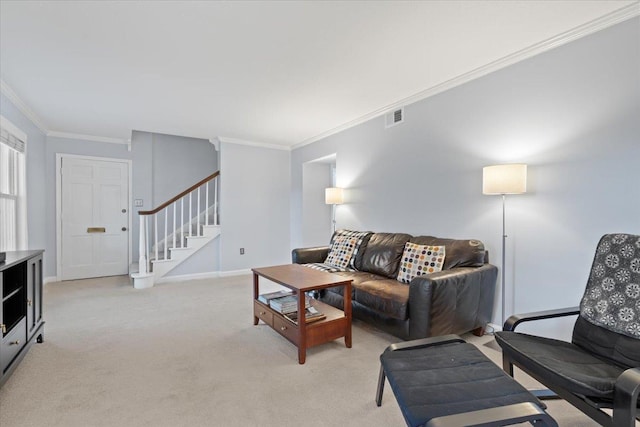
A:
x: 494, y: 326
x: 183, y: 277
x: 50, y: 279
x: 235, y: 272
x: 207, y: 275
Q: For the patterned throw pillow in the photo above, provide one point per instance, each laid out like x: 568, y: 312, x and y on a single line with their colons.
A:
x: 341, y: 251
x: 418, y: 260
x: 361, y: 236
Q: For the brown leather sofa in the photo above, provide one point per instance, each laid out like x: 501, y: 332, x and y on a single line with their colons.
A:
x: 456, y: 300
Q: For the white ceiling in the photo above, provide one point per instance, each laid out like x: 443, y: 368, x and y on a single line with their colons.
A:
x: 270, y: 72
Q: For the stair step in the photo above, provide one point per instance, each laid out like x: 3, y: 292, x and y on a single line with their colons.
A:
x: 163, y: 266
x: 161, y: 261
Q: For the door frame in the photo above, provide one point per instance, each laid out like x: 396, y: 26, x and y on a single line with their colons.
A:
x: 59, y: 157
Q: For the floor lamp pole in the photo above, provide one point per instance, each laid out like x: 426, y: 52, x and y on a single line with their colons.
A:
x: 504, y: 240
x: 333, y: 217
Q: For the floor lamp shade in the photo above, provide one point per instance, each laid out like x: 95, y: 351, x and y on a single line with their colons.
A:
x: 333, y: 196
x: 504, y: 179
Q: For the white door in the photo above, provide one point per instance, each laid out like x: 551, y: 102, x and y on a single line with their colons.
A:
x: 94, y: 229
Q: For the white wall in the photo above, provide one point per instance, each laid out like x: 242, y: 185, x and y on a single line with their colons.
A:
x: 254, y: 206
x: 571, y: 114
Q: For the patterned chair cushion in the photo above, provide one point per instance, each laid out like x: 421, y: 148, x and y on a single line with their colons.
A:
x: 612, y: 297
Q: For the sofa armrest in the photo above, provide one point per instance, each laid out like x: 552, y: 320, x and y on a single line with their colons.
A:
x: 309, y: 255
x: 516, y: 319
x: 451, y: 301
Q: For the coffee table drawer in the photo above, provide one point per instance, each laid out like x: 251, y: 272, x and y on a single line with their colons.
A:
x: 286, y: 329
x: 262, y: 313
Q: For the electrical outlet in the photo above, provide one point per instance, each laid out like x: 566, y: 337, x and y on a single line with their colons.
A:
x: 241, y: 251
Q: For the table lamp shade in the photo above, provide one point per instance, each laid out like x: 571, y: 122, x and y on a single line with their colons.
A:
x: 333, y: 196
x: 504, y: 179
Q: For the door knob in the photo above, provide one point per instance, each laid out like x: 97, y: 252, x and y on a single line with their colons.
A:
x: 124, y: 228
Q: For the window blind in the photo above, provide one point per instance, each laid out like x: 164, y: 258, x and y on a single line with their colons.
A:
x: 11, y: 140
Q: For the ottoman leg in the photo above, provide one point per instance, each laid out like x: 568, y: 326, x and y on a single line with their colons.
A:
x: 381, y: 379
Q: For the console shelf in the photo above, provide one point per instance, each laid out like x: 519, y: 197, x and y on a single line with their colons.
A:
x: 21, y: 321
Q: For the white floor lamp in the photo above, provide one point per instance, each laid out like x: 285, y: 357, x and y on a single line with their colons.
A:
x: 333, y: 196
x: 503, y: 180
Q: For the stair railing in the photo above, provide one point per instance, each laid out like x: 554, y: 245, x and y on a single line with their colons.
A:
x: 172, y: 211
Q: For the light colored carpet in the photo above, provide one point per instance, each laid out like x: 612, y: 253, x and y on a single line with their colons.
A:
x: 188, y: 354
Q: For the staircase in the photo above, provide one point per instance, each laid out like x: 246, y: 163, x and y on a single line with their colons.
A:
x: 161, y: 253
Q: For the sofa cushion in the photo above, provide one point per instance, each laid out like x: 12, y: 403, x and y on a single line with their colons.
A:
x: 383, y: 252
x: 357, y: 277
x: 418, y: 260
x: 460, y: 253
x: 362, y: 239
x: 387, y: 296
x: 341, y: 251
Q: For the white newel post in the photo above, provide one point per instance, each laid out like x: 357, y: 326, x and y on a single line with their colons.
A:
x: 142, y: 247
x: 206, y: 204
x: 142, y: 279
x: 215, y: 201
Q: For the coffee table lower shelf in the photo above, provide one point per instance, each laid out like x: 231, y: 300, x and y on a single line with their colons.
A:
x: 335, y: 325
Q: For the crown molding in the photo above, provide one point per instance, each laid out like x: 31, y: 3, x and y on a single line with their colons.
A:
x: 20, y: 105
x: 586, y: 29
x: 253, y: 144
x: 93, y: 138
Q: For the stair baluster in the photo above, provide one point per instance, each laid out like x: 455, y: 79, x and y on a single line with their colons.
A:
x: 144, y: 277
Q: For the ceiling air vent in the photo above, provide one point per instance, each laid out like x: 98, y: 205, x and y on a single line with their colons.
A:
x: 394, y: 117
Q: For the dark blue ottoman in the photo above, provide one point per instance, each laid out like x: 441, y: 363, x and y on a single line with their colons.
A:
x: 445, y: 381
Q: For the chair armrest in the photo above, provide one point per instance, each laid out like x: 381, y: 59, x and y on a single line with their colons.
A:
x: 309, y: 255
x: 424, y: 342
x: 625, y: 397
x: 516, y: 319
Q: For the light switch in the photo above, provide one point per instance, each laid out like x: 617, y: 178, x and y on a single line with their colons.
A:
x: 137, y: 203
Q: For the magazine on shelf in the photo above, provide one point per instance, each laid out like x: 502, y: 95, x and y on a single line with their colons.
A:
x: 265, y: 298
x: 310, y: 315
x: 287, y: 304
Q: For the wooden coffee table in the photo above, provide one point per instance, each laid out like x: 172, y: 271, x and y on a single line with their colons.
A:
x: 300, y: 279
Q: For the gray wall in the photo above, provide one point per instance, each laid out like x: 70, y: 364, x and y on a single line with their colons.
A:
x: 254, y: 206
x: 164, y: 166
x: 178, y: 163
x: 571, y: 114
x: 174, y: 165
x: 316, y: 215
x: 35, y: 175
x: 55, y: 146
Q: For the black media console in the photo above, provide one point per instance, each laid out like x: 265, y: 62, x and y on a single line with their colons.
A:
x: 21, y: 322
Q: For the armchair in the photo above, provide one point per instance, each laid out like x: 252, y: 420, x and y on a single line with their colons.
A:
x: 600, y: 367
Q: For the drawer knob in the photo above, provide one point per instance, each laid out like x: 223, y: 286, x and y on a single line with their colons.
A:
x: 283, y: 328
x: 262, y: 313
x: 16, y: 342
